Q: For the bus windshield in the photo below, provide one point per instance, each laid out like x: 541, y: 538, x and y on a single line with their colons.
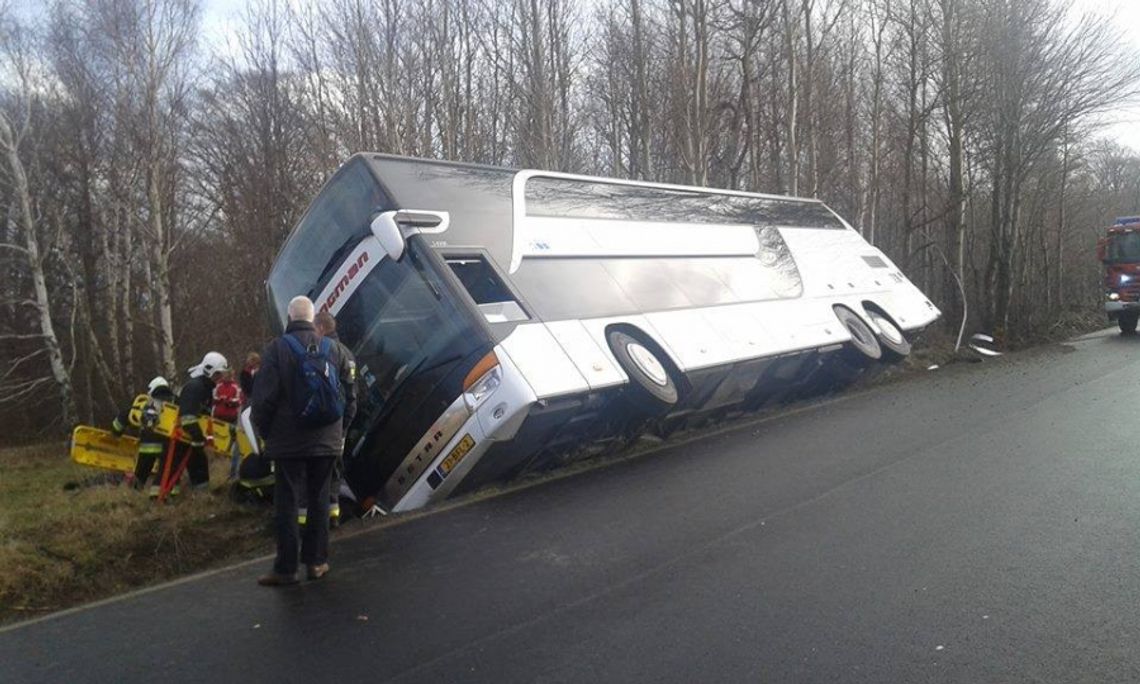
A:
x: 1124, y: 248
x: 337, y: 219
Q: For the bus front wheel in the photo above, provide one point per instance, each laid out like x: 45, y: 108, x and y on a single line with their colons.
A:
x: 1127, y: 323
x: 648, y: 373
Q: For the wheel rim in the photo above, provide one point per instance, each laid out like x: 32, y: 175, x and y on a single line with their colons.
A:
x: 862, y: 337
x: 889, y: 330
x: 647, y: 363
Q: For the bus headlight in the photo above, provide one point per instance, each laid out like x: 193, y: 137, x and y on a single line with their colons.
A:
x: 482, y: 381
x: 1125, y: 278
x: 1112, y: 296
x: 483, y: 388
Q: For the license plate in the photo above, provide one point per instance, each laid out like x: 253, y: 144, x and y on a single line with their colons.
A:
x: 456, y: 455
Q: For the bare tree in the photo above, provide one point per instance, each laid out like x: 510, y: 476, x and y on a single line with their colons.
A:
x: 1046, y: 74
x: 140, y: 175
x: 16, y: 130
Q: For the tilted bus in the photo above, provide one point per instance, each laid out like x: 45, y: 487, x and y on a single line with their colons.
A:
x: 501, y: 319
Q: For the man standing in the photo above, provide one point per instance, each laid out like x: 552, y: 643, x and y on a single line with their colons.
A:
x: 295, y: 397
x: 193, y: 402
x: 326, y: 327
x: 245, y: 380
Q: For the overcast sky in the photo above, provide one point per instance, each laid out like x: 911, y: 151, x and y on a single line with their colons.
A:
x: 1124, y: 124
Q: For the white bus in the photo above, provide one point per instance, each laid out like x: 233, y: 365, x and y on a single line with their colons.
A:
x: 502, y: 319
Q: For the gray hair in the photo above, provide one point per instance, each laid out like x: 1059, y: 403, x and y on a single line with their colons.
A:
x: 301, y: 309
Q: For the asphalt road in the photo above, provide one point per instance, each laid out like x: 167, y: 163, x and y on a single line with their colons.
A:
x: 972, y: 524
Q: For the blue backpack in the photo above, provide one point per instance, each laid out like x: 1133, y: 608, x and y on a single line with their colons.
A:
x: 317, y: 399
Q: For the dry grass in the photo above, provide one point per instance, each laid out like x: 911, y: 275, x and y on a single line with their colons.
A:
x: 62, y: 548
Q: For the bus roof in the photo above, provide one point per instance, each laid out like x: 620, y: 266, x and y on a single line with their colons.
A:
x: 486, y: 203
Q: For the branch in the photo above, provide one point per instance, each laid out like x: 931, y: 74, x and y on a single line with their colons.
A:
x: 18, y: 391
x: 74, y: 312
x: 15, y: 248
x: 193, y: 232
x: 20, y: 361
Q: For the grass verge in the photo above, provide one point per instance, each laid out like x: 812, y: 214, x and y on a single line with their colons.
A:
x: 62, y: 548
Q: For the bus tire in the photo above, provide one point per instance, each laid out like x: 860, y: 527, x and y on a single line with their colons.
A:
x: 864, y: 342
x: 891, y: 338
x: 648, y: 373
x: 1127, y: 323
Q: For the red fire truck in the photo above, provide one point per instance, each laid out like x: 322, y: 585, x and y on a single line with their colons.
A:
x: 1119, y: 250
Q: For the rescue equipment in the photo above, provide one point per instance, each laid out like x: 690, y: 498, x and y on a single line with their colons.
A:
x: 98, y: 448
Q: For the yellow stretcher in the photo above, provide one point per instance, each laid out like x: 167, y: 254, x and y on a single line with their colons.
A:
x: 100, y: 448
x: 91, y: 446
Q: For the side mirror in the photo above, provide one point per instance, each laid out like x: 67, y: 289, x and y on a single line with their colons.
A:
x: 413, y: 221
x: 1101, y: 248
x: 393, y: 228
x: 388, y: 234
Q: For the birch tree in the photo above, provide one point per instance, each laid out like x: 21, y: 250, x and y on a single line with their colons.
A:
x: 30, y: 237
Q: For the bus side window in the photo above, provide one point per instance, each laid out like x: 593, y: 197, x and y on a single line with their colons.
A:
x: 492, y: 297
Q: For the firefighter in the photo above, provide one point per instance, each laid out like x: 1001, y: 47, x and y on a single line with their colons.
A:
x: 193, y: 403
x: 152, y: 445
x: 255, y: 480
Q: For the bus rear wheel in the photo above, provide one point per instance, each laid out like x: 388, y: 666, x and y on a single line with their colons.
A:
x: 1127, y: 323
x: 891, y: 338
x: 864, y: 342
x: 647, y: 373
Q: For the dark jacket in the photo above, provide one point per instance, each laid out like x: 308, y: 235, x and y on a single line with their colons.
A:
x: 348, y: 389
x: 245, y: 381
x: 194, y: 401
x: 272, y: 403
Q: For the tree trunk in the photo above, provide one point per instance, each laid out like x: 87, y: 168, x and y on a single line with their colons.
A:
x: 955, y: 127
x: 1061, y: 217
x: 60, y: 372
x: 160, y: 275
x: 793, y: 97
x: 809, y: 110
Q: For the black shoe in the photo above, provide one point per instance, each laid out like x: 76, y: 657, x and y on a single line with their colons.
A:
x: 274, y: 579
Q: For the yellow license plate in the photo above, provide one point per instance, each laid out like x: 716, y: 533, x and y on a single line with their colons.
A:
x: 456, y: 454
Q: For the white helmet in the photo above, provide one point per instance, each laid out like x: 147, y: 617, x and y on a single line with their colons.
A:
x: 159, y: 381
x: 212, y: 362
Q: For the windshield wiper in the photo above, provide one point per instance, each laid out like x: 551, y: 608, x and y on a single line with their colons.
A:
x: 391, y: 402
x: 336, y: 258
x: 424, y: 276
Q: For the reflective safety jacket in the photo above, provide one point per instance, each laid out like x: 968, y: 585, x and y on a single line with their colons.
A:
x: 150, y: 442
x: 194, y: 401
